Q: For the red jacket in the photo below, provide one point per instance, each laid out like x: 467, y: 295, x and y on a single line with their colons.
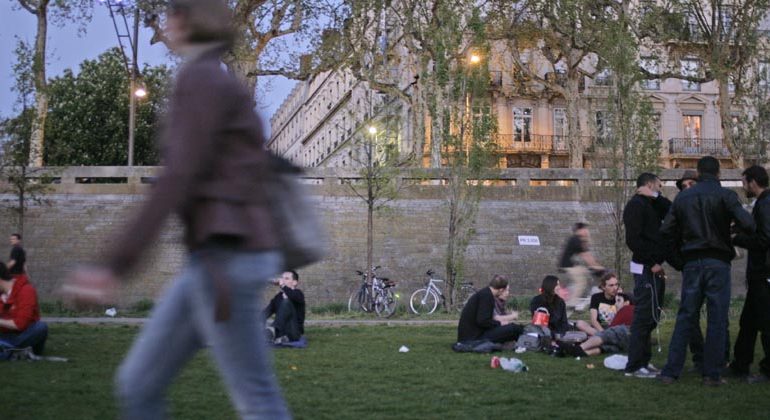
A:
x: 625, y: 316
x: 21, y: 305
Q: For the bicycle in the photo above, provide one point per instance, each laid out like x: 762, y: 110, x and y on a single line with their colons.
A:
x: 377, y: 296
x: 425, y: 300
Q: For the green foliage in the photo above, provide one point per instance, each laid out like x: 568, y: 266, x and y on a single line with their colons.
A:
x: 87, y: 120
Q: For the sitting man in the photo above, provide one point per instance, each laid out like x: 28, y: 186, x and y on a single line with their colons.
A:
x: 604, y: 305
x: 613, y: 339
x: 478, y: 321
x: 288, y: 305
x: 501, y: 311
x: 20, y: 324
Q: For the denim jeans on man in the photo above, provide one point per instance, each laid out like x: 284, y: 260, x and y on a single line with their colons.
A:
x: 183, y: 323
x: 702, y: 279
x: 34, y: 336
x: 648, y: 298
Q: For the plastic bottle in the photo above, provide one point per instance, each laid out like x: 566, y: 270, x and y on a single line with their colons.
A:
x: 513, y: 364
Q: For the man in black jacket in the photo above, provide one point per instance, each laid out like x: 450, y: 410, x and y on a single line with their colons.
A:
x: 642, y: 217
x: 699, y: 226
x: 478, y: 320
x: 288, y: 305
x: 755, y: 317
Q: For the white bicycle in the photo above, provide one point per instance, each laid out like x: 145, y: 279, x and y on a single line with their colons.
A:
x: 425, y: 300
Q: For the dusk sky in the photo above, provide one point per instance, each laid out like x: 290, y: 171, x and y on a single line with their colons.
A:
x: 67, y: 49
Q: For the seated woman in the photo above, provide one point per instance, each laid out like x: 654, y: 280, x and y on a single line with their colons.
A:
x: 557, y: 309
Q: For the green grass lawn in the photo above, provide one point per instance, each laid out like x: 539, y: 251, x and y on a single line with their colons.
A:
x: 358, y: 373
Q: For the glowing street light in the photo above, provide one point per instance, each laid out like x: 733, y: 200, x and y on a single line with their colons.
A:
x: 140, y: 92
x: 372, y: 129
x: 475, y: 59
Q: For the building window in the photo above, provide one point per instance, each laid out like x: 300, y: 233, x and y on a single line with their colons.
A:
x: 657, y: 125
x: 522, y: 124
x: 603, y: 78
x: 690, y: 68
x: 560, y: 125
x: 603, y: 127
x: 650, y: 65
x: 692, y: 126
x: 763, y: 75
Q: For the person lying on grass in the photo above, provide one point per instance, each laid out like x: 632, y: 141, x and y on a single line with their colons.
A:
x: 613, y: 339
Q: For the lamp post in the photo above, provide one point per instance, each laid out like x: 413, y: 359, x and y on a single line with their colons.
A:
x: 135, y: 89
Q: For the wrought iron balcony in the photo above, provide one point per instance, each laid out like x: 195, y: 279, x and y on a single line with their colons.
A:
x: 697, y: 147
x: 538, y: 143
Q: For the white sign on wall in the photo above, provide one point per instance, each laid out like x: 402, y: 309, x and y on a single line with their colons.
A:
x: 529, y: 240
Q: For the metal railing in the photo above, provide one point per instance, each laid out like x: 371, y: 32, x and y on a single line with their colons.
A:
x: 545, y: 143
x: 697, y: 147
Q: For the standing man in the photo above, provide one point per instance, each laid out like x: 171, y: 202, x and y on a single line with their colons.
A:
x: 699, y: 225
x: 576, y: 260
x: 755, y: 317
x: 288, y: 306
x: 478, y: 320
x: 642, y: 218
x: 17, y: 262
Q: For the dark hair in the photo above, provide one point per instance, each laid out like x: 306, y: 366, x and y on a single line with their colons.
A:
x: 645, y: 178
x: 548, y: 290
x: 208, y: 20
x: 498, y: 282
x: 608, y: 275
x: 579, y: 225
x: 708, y: 165
x: 17, y: 235
x: 294, y: 274
x: 757, y: 174
x: 5, y: 274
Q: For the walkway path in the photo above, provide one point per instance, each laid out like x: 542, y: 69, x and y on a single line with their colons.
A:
x: 308, y: 322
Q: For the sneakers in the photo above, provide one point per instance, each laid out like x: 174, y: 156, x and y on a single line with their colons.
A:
x: 270, y: 333
x: 653, y: 369
x: 714, y: 382
x: 642, y: 373
x: 758, y: 379
x: 281, y: 340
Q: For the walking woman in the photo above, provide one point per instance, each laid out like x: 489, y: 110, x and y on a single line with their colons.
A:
x: 213, y: 149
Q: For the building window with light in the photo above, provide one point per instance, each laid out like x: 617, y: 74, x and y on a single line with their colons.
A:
x: 522, y: 124
x: 763, y: 76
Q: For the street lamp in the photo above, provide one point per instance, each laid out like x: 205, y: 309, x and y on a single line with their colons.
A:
x: 136, y: 89
x: 372, y: 129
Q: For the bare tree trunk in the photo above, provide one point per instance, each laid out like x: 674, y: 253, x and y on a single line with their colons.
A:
x: 437, y: 128
x: 451, y: 241
x: 573, y: 124
x: 725, y: 115
x: 37, y: 134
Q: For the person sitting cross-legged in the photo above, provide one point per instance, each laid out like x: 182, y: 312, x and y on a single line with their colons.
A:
x: 478, y: 320
x: 288, y: 306
x: 20, y: 324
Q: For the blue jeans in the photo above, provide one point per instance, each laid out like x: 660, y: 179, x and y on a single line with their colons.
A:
x: 704, y: 279
x: 34, y: 336
x: 183, y: 323
x: 648, y: 299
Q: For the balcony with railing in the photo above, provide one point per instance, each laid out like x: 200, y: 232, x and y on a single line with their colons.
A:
x: 532, y: 143
x: 697, y: 147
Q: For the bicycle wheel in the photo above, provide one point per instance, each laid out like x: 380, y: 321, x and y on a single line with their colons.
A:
x: 359, y: 301
x: 385, y: 303
x: 423, y: 301
x: 462, y: 296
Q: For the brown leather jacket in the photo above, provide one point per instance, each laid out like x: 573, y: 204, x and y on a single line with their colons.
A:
x: 215, y: 168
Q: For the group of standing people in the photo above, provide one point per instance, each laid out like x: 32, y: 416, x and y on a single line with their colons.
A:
x: 697, y: 234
